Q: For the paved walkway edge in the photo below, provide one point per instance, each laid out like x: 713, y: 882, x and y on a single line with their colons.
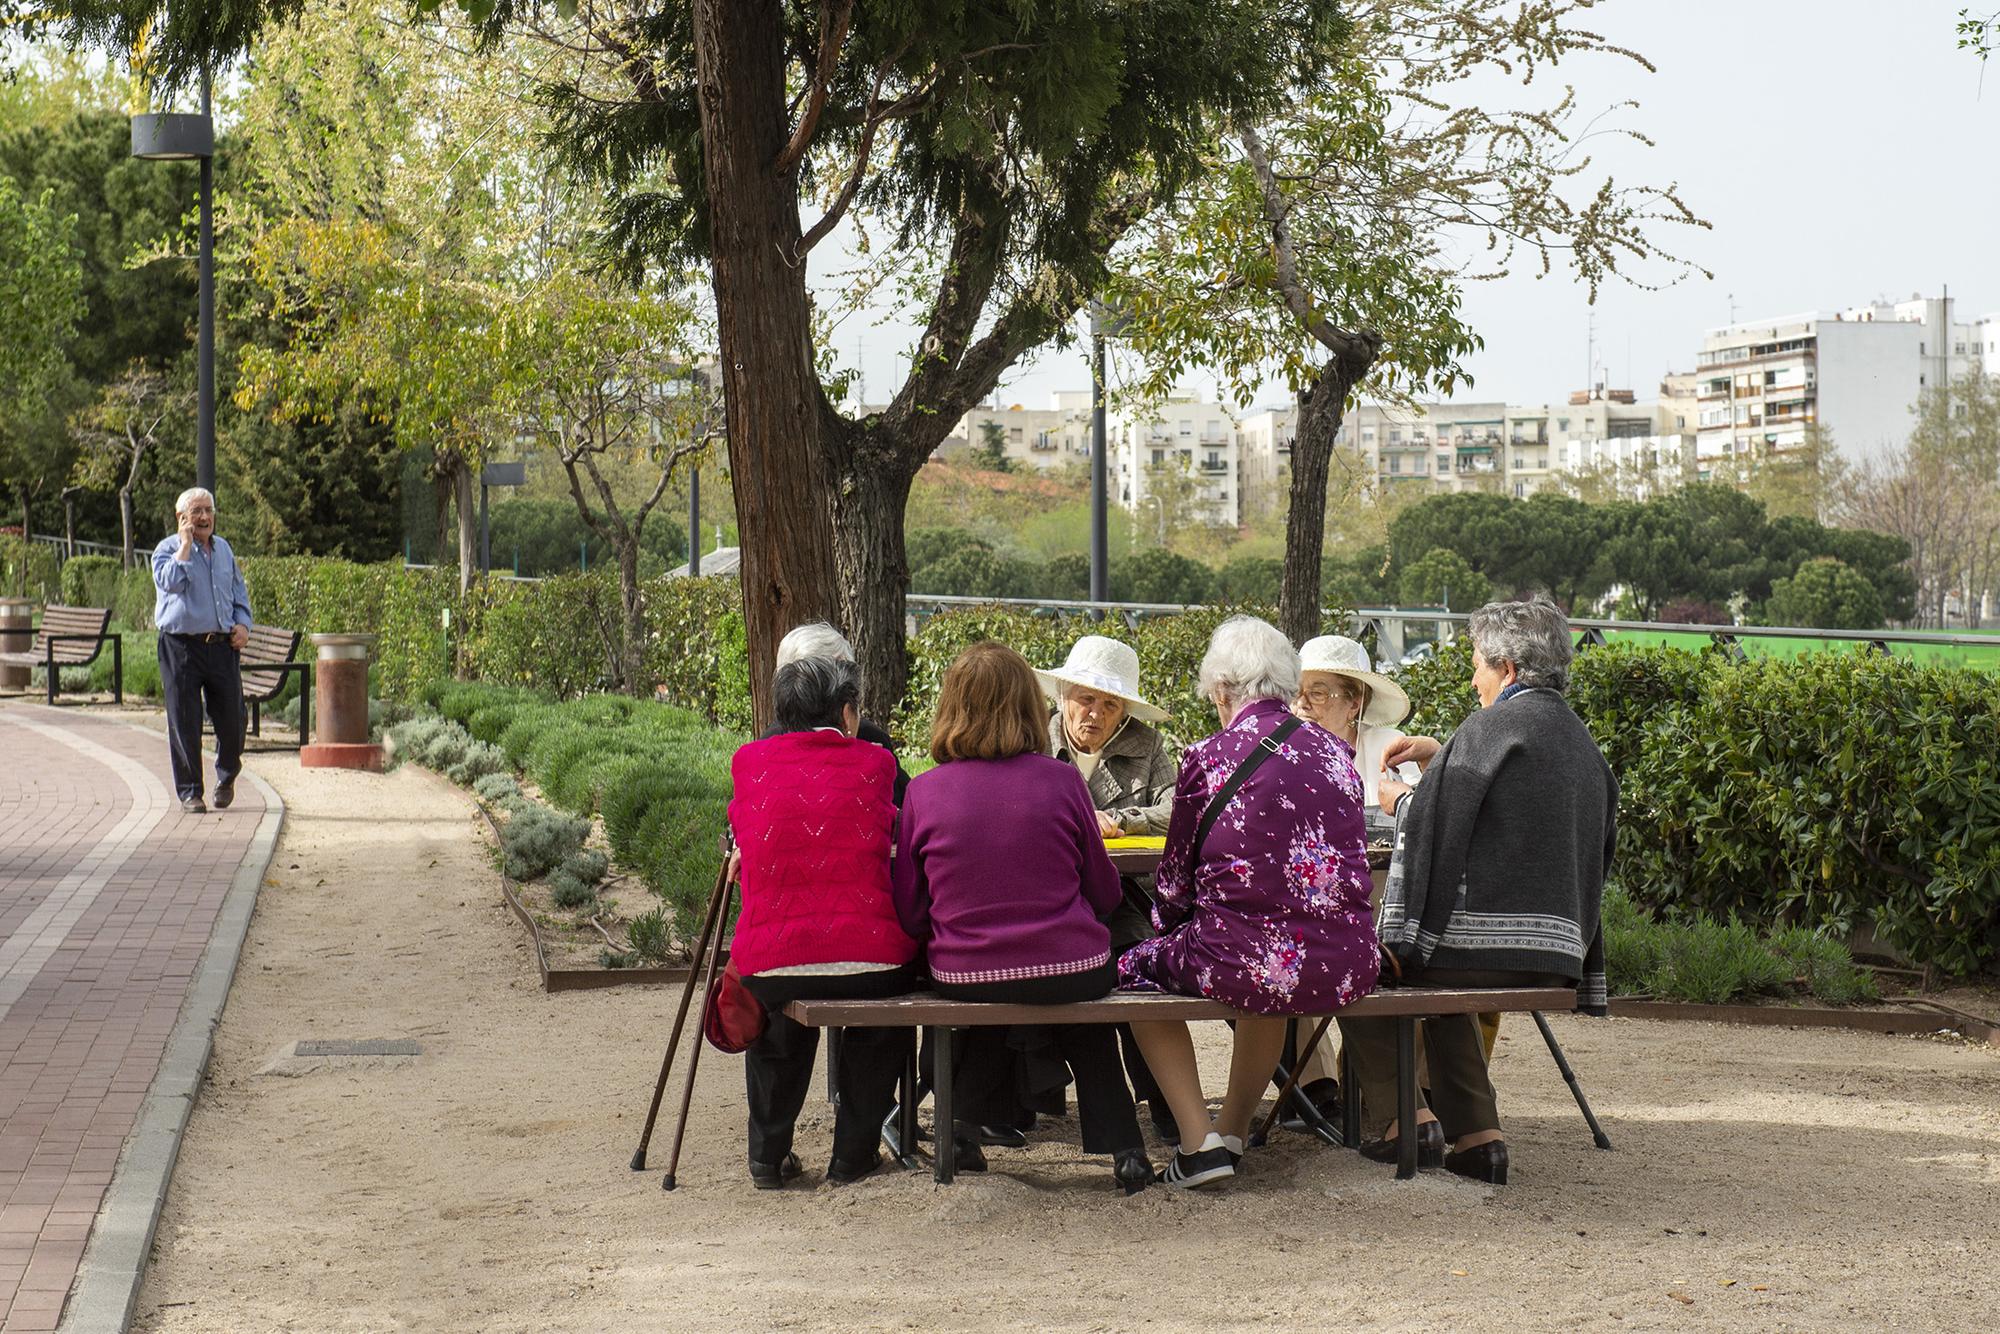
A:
x: 121, y: 1240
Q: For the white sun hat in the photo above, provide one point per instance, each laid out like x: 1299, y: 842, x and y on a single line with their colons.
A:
x: 1388, y: 703
x: 1106, y: 666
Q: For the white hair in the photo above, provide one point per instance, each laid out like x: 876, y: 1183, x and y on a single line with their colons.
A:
x: 1249, y: 659
x: 189, y: 496
x: 814, y: 639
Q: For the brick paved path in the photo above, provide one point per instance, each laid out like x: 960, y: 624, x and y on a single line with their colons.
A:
x: 107, y: 897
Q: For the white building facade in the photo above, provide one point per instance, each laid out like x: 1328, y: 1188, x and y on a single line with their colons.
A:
x: 1184, y: 436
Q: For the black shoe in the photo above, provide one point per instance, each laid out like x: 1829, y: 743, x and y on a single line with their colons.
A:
x: 1430, y: 1146
x: 1184, y: 1171
x: 967, y: 1155
x: 194, y: 806
x: 1486, y: 1163
x: 1133, y: 1171
x: 839, y: 1173
x: 224, y: 794
x: 773, y: 1176
x: 1164, y: 1124
x: 1001, y: 1137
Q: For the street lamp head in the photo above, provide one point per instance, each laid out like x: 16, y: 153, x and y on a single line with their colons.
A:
x: 173, y: 137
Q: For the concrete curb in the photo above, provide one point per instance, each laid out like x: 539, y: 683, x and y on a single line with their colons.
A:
x: 121, y: 1239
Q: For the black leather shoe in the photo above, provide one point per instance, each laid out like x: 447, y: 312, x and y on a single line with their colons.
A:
x: 1002, y: 1137
x: 224, y: 794
x: 1430, y: 1146
x: 1486, y: 1163
x: 194, y: 806
x: 1323, y: 1094
x: 1133, y: 1171
x: 773, y: 1176
x: 840, y: 1173
x: 967, y: 1155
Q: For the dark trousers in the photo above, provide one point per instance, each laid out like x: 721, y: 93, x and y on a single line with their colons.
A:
x: 1461, y: 1091
x: 777, y: 1070
x: 195, y: 674
x: 987, y: 1076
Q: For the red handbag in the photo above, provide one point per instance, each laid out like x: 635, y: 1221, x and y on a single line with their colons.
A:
x: 732, y: 1018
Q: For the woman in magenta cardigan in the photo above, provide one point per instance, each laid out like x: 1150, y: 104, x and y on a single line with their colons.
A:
x: 812, y: 815
x: 1001, y: 871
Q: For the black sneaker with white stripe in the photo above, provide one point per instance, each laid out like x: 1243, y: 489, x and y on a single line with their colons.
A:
x: 1212, y: 1162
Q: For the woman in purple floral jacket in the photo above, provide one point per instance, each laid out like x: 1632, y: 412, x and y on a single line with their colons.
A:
x: 1271, y: 914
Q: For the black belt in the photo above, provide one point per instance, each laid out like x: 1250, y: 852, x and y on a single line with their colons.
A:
x: 212, y: 637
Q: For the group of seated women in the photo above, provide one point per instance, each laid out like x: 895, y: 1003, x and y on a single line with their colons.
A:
x: 989, y: 876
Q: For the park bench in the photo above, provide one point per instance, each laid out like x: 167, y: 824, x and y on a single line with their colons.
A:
x: 1405, y: 1005
x: 73, y: 637
x: 267, y: 660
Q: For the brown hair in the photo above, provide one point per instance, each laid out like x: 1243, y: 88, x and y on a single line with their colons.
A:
x: 989, y: 707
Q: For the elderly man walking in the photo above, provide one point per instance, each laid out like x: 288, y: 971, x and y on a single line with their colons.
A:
x: 202, y: 609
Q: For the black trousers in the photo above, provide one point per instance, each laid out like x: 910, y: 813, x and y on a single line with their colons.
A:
x: 777, y: 1070
x: 196, y: 674
x: 1461, y: 1091
x: 986, y: 1077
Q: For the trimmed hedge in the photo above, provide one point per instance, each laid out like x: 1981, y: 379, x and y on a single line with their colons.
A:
x: 658, y: 775
x: 91, y: 581
x: 1831, y: 791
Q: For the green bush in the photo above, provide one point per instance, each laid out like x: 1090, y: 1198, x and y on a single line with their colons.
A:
x: 133, y: 603
x: 499, y: 789
x: 1713, y: 962
x: 142, y: 666
x: 536, y: 839
x: 651, y: 940
x: 28, y: 570
x: 570, y: 892
x: 91, y: 581
x: 481, y: 760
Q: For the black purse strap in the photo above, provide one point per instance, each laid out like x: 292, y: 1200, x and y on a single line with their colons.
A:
x: 1266, y: 747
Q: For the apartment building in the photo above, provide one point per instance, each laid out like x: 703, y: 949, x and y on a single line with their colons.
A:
x: 1264, y: 444
x: 1856, y: 373
x: 1044, y: 439
x: 1184, y: 436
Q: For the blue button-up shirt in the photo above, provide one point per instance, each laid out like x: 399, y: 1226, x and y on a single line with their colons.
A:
x: 203, y: 594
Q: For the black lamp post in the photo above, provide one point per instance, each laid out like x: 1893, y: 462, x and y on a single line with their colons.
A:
x: 179, y: 138
x: 1104, y: 323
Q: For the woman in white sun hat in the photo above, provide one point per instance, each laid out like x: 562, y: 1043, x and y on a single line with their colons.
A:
x: 1339, y: 691
x: 1102, y: 726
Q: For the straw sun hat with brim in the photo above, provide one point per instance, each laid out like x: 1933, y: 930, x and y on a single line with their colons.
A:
x: 1388, y: 704
x: 1106, y: 666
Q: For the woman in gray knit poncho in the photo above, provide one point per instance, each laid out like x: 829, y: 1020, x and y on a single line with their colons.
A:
x: 1497, y: 876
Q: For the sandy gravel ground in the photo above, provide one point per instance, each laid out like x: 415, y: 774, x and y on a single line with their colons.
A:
x: 1763, y: 1178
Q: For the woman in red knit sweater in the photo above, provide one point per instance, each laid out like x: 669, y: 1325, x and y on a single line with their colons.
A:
x: 813, y: 813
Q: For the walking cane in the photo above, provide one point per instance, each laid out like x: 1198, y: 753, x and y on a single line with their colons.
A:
x: 694, y: 1058
x: 709, y: 926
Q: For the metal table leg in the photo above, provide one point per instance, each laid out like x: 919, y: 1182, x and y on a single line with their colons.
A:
x: 1350, y: 1101
x: 944, y: 1144
x: 913, y: 1093
x: 1406, y: 1098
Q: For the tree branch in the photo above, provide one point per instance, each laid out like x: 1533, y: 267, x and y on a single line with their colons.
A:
x: 833, y: 19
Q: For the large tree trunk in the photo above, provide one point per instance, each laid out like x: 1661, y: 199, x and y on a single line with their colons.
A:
x: 775, y: 411
x: 468, y: 527
x: 1321, y: 408
x: 124, y: 526
x: 871, y: 491
x: 631, y: 649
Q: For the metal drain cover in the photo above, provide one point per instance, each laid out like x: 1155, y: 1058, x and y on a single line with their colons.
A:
x: 357, y: 1047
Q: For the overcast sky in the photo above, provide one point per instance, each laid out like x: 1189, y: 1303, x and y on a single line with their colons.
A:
x: 1844, y: 151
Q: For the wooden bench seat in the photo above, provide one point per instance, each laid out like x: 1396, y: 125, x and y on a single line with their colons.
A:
x: 267, y: 661
x: 73, y: 637
x: 1404, y: 1005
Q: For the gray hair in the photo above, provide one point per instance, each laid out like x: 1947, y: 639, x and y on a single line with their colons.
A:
x: 813, y: 692
x: 1533, y: 635
x: 189, y: 496
x: 1249, y: 659
x: 814, y: 639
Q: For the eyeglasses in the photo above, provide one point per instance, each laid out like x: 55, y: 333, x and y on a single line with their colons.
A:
x: 1323, y: 695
